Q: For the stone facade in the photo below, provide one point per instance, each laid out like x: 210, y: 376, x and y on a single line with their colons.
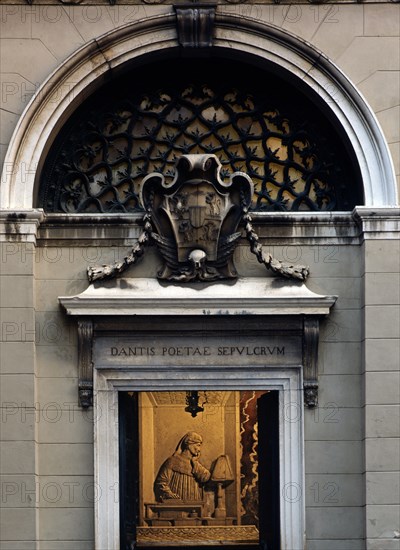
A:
x: 351, y: 440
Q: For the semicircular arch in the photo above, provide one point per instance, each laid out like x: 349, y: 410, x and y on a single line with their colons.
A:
x: 99, y: 60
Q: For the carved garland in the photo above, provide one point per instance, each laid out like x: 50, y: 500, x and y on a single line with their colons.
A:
x: 283, y: 269
x: 96, y: 273
x: 109, y: 271
x: 199, y: 177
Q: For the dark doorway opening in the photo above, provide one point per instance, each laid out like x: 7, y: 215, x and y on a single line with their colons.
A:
x: 257, y: 441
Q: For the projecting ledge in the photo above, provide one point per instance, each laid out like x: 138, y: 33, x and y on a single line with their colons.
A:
x: 246, y: 296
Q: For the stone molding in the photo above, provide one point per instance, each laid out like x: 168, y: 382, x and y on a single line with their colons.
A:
x: 107, y: 383
x: 363, y: 223
x: 124, y: 298
x: 20, y: 226
x: 177, y: 2
x: 88, y: 67
x: 291, y: 228
x: 245, y: 296
x: 377, y: 223
x: 70, y: 229
x: 274, y: 227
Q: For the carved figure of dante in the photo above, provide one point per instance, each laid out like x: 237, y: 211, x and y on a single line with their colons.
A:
x: 181, y: 475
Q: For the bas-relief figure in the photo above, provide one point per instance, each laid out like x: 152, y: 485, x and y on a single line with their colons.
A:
x: 191, y: 504
x: 183, y: 488
x: 181, y: 476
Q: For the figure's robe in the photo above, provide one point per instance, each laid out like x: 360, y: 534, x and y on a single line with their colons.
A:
x: 177, y: 476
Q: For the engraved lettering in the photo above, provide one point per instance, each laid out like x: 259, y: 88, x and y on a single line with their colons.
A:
x: 194, y: 351
x: 132, y: 351
x: 185, y: 350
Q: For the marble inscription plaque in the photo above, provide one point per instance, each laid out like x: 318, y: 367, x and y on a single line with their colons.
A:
x: 196, y: 351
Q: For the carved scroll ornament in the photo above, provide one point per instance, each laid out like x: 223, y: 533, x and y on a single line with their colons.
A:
x: 85, y: 339
x: 310, y: 361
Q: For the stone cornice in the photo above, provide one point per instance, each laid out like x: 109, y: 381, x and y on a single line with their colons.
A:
x: 109, y: 229
x: 77, y: 3
x: 293, y: 228
x: 275, y: 227
x: 377, y: 223
x: 246, y: 296
x: 20, y: 226
x: 263, y: 298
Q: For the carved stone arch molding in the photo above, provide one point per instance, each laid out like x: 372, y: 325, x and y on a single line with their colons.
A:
x: 96, y: 62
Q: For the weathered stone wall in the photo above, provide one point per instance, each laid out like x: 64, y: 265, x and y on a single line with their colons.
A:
x: 333, y: 487
x: 351, y: 440
x: 380, y: 369
x: 18, y: 460
x: 48, y: 438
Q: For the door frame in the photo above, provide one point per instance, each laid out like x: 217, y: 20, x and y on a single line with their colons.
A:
x: 137, y: 308
x: 288, y: 381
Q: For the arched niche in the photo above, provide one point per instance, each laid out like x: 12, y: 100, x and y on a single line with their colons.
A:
x: 97, y: 62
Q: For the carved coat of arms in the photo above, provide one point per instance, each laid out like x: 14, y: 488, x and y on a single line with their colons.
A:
x: 193, y: 221
x: 196, y: 218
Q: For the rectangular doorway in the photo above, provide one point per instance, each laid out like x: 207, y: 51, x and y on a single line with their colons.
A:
x: 199, y: 468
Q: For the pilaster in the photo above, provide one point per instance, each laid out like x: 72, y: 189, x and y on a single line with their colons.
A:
x: 381, y: 313
x: 19, y: 409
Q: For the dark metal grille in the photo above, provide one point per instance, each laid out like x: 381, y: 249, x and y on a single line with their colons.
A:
x: 99, y: 162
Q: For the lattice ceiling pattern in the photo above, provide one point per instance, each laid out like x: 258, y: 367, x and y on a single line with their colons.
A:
x: 179, y: 397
